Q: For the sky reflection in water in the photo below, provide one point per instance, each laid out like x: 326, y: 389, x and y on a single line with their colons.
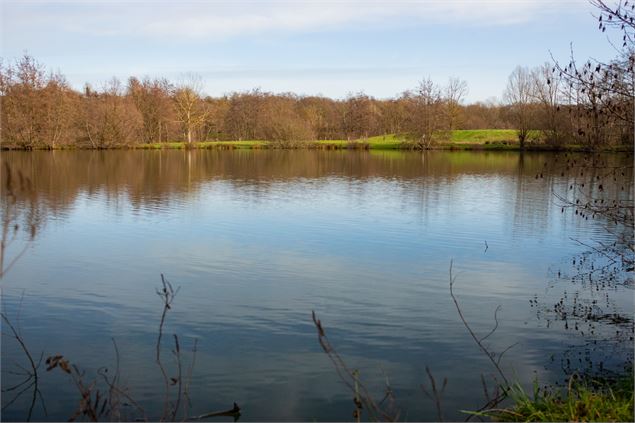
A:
x: 258, y: 239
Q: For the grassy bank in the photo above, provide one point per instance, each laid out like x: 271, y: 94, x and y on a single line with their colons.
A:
x: 593, y: 399
x: 473, y: 139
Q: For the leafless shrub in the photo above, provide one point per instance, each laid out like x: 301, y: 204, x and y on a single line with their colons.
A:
x: 479, y: 341
x: 362, y: 398
x: 437, y: 394
x: 103, y: 396
x: 378, y: 411
x: 601, y: 191
x: 32, y: 377
x: 426, y: 124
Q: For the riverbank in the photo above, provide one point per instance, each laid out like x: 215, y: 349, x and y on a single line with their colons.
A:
x: 603, y: 399
x: 475, y: 139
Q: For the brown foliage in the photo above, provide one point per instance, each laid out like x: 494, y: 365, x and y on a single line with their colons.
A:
x: 36, y: 109
x: 592, y: 104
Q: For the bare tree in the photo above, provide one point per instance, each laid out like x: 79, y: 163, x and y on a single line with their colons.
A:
x: 214, y: 126
x: 602, y: 95
x: 360, y: 116
x: 455, y: 92
x: 152, y: 99
x: 244, y: 117
x: 546, y: 93
x: 108, y: 118
x: 281, y: 122
x: 426, y: 116
x: 518, y: 95
x: 190, y: 110
x: 36, y: 108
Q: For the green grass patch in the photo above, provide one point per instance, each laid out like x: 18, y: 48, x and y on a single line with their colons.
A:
x: 463, y: 139
x: 386, y: 142
x: 380, y: 142
x: 481, y: 136
x: 478, y: 139
x: 339, y: 143
x: 607, y: 400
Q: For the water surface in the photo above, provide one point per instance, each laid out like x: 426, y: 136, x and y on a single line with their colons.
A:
x: 256, y: 240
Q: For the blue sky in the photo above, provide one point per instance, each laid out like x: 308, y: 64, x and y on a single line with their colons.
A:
x: 307, y: 47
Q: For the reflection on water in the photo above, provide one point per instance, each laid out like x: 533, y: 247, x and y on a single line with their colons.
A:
x: 258, y: 239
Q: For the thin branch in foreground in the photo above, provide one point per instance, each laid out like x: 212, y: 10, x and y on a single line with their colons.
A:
x: 495, y: 325
x: 188, y: 382
x: 179, y: 379
x: 436, y: 395
x: 472, y: 334
x: 390, y: 397
x: 32, y: 375
x: 167, y: 294
x: 348, y: 376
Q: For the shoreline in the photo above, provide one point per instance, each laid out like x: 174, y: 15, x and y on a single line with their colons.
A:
x: 456, y: 140
x: 392, y: 144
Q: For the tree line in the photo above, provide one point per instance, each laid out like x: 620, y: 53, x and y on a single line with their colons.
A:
x: 592, y: 104
x: 41, y: 110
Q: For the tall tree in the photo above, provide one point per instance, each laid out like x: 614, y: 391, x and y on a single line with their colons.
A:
x: 37, y: 109
x: 360, y: 116
x: 190, y: 110
x: 546, y: 92
x: 455, y: 92
x: 152, y: 99
x: 518, y: 95
x: 427, y: 121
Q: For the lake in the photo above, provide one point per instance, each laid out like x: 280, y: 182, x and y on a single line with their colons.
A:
x: 258, y: 239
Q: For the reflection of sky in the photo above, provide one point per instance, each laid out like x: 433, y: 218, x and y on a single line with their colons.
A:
x: 371, y: 256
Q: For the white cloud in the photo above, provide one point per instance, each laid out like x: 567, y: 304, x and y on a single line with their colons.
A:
x: 222, y: 19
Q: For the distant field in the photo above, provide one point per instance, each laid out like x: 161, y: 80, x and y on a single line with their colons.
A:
x: 458, y: 138
x: 481, y: 136
x: 380, y: 142
x: 465, y: 138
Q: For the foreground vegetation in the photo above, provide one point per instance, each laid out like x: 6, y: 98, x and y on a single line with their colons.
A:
x: 603, y: 400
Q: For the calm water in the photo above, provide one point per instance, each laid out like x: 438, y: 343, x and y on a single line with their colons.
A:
x: 256, y: 240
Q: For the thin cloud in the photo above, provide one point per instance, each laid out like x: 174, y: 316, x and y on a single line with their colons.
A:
x: 221, y: 19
